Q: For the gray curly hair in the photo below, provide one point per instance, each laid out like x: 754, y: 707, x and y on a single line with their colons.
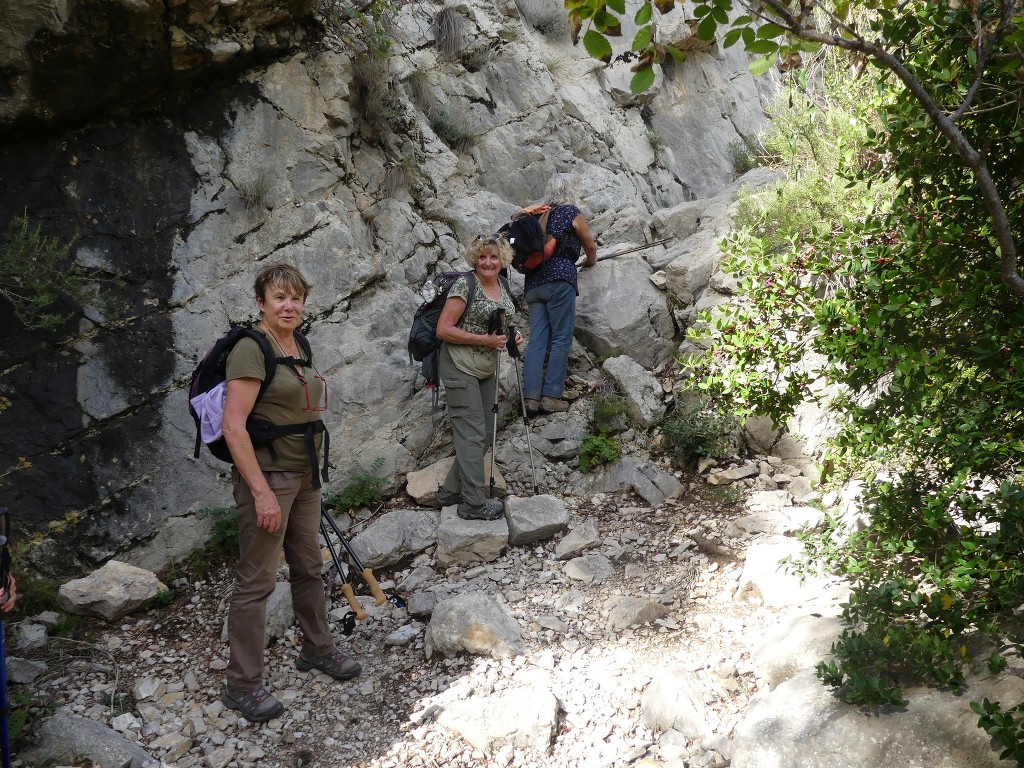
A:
x: 562, y: 189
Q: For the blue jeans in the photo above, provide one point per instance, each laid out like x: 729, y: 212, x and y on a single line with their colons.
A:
x: 552, y: 319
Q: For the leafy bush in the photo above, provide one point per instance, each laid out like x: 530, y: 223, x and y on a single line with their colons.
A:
x: 224, y: 535
x: 36, y: 275
x: 690, y: 432
x: 362, y: 490
x: 598, y: 449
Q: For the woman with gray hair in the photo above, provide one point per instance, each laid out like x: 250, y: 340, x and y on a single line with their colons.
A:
x: 551, y: 295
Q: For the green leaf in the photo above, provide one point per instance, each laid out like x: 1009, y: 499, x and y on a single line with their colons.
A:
x: 770, y: 30
x: 760, y: 66
x: 642, y: 80
x: 619, y: 6
x: 677, y: 55
x: 763, y: 47
x: 643, y: 15
x: 643, y: 38
x: 597, y: 46
x: 706, y: 29
x: 731, y: 37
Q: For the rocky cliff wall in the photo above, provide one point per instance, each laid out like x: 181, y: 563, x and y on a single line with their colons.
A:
x: 369, y: 177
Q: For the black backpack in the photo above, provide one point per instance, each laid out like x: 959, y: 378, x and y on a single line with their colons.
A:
x: 211, y: 373
x: 424, y: 346
x: 532, y: 244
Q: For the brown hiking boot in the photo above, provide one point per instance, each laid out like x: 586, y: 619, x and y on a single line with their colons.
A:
x: 336, y: 664
x: 532, y: 407
x: 554, y: 405
x: 256, y: 706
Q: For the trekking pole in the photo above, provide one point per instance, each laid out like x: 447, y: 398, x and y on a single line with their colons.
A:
x: 327, y: 521
x: 513, y: 352
x: 5, y: 582
x: 634, y: 249
x: 496, y: 324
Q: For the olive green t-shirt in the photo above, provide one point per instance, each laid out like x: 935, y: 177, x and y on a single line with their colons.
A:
x: 478, y: 361
x: 284, y: 402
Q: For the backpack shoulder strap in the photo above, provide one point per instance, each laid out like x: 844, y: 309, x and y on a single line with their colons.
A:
x: 303, y: 342
x: 470, y: 294
x: 269, y: 358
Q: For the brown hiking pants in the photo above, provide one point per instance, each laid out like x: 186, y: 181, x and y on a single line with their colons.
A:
x: 256, y: 574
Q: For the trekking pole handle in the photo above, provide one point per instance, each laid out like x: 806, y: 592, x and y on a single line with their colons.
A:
x: 379, y: 597
x: 355, y: 605
x: 512, y: 344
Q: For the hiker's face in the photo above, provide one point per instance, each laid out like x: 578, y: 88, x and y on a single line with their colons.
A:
x: 489, y: 262
x: 281, y: 307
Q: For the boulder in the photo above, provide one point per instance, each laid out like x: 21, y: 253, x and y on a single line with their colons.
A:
x: 473, y: 623
x: 111, y: 592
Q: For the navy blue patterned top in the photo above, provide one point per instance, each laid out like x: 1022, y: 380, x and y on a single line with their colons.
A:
x: 563, y: 266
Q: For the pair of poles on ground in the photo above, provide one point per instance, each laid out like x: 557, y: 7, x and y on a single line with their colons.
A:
x: 497, y: 325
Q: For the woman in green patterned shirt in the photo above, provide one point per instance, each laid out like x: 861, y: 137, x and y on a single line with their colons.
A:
x: 469, y: 362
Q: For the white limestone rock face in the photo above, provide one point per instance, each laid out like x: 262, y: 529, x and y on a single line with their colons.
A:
x: 801, y: 723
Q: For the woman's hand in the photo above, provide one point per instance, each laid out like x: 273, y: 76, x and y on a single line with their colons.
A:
x: 494, y: 341
x: 7, y: 598
x: 268, y: 511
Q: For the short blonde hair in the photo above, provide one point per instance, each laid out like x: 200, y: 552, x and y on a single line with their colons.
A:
x: 284, y: 275
x: 482, y: 242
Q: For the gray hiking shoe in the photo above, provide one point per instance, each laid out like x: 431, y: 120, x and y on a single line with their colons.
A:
x: 446, y: 498
x: 256, y: 706
x: 336, y: 664
x: 491, y: 509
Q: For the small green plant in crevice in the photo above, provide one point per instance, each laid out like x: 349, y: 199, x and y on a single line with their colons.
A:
x: 255, y: 192
x: 557, y: 65
x: 725, y: 494
x: 509, y: 33
x: 449, y: 29
x: 477, y: 58
x: 419, y: 87
x: 691, y: 432
x: 362, y: 490
x: 224, y: 533
x: 401, y: 175
x: 36, y: 275
x: 118, y: 703
x: 454, y: 127
x: 610, y: 414
x: 598, y: 449
x: 382, y: 107
x: 657, y: 142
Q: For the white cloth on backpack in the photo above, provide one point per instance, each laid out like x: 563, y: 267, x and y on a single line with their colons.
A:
x: 210, y: 407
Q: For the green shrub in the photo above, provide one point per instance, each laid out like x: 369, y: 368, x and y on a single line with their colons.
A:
x: 610, y: 413
x: 36, y: 275
x: 362, y: 490
x: 224, y: 535
x: 598, y: 449
x: 691, y: 432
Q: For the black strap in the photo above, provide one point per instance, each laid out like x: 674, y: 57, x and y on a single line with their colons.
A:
x: 263, y: 434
